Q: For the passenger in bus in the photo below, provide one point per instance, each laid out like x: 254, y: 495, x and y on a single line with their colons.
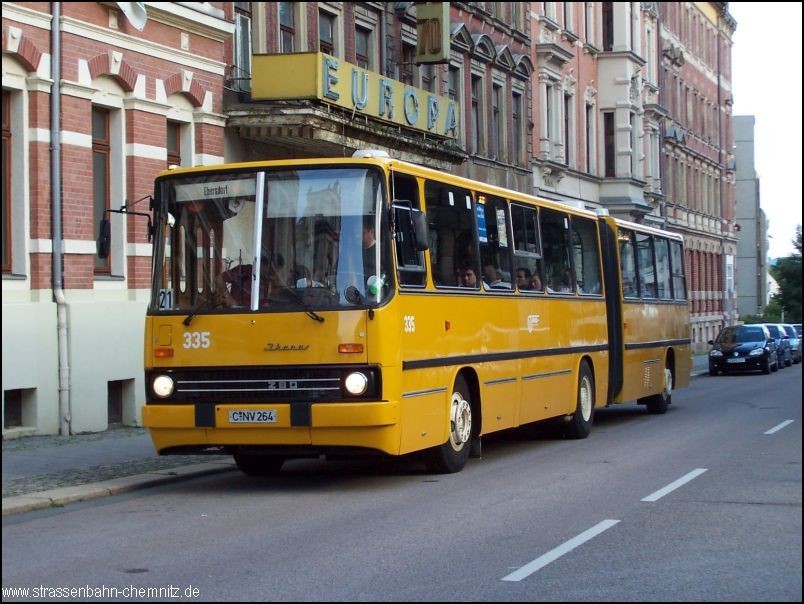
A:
x: 235, y: 284
x: 303, y: 278
x: 564, y: 285
x: 468, y: 277
x: 527, y: 282
x: 369, y: 247
x: 493, y: 279
x: 588, y: 288
x: 649, y: 290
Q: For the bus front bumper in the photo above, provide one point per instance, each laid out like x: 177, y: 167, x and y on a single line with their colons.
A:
x: 373, y: 425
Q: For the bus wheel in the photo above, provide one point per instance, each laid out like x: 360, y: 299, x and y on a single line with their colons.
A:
x: 451, y: 457
x: 579, y: 424
x: 658, y: 403
x: 258, y: 465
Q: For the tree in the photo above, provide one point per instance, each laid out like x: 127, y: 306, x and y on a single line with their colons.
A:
x: 786, y: 303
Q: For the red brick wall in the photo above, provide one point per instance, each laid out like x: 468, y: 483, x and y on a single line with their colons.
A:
x: 141, y: 127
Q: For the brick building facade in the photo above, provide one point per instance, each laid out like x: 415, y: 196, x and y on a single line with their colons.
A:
x: 72, y: 330
x: 618, y: 105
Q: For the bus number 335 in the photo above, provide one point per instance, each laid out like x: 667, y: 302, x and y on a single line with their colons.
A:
x: 196, y: 339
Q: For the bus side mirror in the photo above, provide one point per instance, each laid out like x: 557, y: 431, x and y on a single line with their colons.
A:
x: 104, y: 238
x: 421, y: 231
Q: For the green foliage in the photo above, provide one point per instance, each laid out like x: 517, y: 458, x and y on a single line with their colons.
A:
x: 787, y: 273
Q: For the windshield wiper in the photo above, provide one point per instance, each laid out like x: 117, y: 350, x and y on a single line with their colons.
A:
x: 307, y: 310
x: 204, y: 305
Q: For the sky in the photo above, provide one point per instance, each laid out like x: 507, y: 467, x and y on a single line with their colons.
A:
x: 766, y: 80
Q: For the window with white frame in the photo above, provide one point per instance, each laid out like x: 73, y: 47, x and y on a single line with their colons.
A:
x: 498, y: 121
x: 327, y: 32
x: 455, y: 92
x: 287, y: 26
x: 589, y: 139
x: 242, y: 49
x: 173, y: 143
x: 428, y: 73
x: 568, y: 129
x: 517, y: 136
x: 589, y: 23
x: 568, y: 16
x: 406, y: 66
x: 101, y: 177
x: 363, y: 47
x: 609, y: 157
x: 366, y: 39
x: 108, y: 162
x: 478, y: 139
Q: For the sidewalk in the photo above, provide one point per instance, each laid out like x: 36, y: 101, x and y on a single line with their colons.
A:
x: 45, y: 471
x: 52, y: 471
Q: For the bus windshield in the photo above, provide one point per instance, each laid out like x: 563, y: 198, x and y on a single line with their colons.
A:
x: 275, y: 240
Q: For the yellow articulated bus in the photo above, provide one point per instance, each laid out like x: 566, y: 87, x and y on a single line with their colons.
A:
x: 343, y: 306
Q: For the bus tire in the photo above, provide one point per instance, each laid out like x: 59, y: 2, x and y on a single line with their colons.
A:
x: 258, y: 465
x: 452, y: 456
x: 658, y: 403
x: 579, y: 424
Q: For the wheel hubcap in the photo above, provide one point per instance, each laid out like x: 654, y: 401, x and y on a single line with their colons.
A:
x: 585, y: 394
x: 668, y: 382
x: 460, y: 422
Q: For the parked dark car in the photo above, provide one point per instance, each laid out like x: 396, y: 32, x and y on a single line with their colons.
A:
x: 782, y: 340
x: 795, y: 342
x: 743, y: 348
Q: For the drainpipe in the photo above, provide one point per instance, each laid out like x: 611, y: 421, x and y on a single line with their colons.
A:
x: 55, y: 192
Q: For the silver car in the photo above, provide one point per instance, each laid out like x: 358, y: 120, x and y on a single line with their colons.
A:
x: 795, y: 342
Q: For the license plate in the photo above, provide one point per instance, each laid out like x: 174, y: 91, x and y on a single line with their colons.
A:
x: 250, y: 416
x: 737, y: 360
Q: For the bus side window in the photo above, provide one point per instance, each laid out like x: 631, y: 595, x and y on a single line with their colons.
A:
x: 646, y: 266
x: 527, y: 248
x: 409, y: 261
x: 663, y: 277
x: 628, y: 264
x: 492, y: 230
x: 555, y: 227
x: 453, y: 251
x: 585, y: 255
x: 677, y: 261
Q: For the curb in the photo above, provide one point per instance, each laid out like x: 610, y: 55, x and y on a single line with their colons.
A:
x: 63, y: 495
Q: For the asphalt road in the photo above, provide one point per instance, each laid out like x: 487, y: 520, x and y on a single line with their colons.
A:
x: 701, y: 504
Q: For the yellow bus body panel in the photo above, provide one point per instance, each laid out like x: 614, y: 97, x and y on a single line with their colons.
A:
x: 643, y: 366
x: 255, y: 339
x: 538, y: 381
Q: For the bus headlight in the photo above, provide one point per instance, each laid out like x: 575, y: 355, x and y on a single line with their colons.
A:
x: 356, y: 383
x: 163, y: 386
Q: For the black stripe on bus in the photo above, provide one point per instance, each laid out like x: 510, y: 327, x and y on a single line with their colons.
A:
x: 537, y: 376
x: 657, y: 344
x: 427, y: 392
x: 468, y: 359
